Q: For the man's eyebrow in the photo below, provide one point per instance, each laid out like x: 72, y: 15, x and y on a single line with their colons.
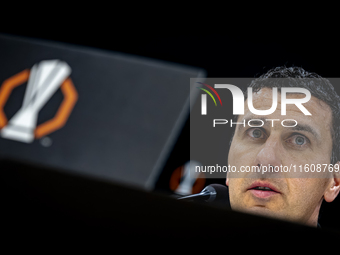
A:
x: 302, y: 127
x: 255, y: 121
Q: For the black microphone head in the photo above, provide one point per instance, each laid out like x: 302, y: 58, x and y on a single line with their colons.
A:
x: 222, y: 194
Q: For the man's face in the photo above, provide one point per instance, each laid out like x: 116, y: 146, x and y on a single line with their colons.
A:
x: 297, y: 199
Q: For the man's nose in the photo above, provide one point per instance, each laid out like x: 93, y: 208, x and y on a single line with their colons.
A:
x: 270, y: 154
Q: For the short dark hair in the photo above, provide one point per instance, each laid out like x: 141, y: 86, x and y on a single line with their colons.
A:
x: 318, y: 86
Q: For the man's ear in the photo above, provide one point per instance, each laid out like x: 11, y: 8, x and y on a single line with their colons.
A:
x: 333, y: 188
x: 227, y: 180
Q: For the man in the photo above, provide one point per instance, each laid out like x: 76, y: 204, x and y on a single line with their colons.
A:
x: 315, y: 140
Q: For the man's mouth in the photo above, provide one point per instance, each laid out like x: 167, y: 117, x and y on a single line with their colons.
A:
x: 263, y: 189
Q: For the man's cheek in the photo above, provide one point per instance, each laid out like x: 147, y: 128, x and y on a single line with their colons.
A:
x: 308, y: 189
x: 240, y: 151
x: 235, y: 192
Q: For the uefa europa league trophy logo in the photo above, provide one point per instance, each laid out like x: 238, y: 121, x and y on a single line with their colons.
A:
x: 44, y: 80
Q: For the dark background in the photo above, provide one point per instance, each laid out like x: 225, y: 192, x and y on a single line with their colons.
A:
x: 222, y: 54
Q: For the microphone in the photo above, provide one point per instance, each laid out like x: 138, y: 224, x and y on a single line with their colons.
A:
x: 216, y: 193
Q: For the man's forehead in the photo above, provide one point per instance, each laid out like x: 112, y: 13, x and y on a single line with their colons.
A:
x: 320, y: 120
x: 268, y: 92
x: 263, y: 99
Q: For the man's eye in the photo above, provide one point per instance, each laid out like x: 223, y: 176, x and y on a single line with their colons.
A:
x: 300, y: 140
x: 256, y: 133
